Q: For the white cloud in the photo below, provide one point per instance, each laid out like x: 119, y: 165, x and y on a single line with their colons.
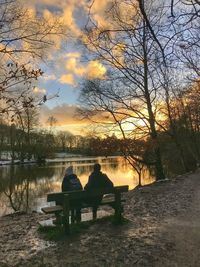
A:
x: 37, y: 90
x: 48, y: 77
x: 73, y: 55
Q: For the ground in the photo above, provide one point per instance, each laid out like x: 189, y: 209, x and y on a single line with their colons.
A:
x: 163, y: 230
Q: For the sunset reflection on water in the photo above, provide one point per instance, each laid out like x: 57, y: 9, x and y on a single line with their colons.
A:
x: 25, y: 187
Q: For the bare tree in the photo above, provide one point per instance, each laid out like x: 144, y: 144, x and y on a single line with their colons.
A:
x: 65, y: 140
x: 51, y: 121
x: 26, y: 121
x: 151, y: 51
x: 131, y: 89
x: 25, y: 37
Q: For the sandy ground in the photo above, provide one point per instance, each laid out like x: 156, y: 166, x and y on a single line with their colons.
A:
x: 163, y: 230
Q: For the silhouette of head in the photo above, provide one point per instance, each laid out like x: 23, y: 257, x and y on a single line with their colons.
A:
x: 97, y: 167
x: 69, y: 170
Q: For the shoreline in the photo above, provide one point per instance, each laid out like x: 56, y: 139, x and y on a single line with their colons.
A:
x: 68, y: 158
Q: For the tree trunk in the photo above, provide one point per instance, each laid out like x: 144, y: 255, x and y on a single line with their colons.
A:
x: 159, y: 173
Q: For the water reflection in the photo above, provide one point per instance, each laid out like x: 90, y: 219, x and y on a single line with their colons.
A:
x: 25, y: 187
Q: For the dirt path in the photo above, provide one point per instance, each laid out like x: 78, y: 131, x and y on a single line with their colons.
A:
x: 184, y: 232
x: 163, y: 231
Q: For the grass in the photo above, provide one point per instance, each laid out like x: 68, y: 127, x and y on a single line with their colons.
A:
x: 52, y: 233
x: 57, y: 233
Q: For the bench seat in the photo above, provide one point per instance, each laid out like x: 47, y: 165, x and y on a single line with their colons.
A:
x: 59, y: 208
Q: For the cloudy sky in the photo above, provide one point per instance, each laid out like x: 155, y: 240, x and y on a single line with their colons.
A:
x: 65, y: 67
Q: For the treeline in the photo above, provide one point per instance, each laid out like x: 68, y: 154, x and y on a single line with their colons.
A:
x: 24, y: 140
x: 18, y: 144
x: 180, y: 138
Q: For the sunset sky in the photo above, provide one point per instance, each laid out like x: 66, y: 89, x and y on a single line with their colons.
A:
x: 65, y: 67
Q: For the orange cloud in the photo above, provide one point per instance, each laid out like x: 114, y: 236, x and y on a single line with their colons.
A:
x: 65, y: 14
x: 93, y: 70
x: 72, y: 66
x: 68, y: 79
x: 66, y: 118
x: 67, y: 10
x: 98, y: 11
x: 64, y: 114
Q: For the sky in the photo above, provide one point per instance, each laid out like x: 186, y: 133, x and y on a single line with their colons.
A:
x: 64, y: 68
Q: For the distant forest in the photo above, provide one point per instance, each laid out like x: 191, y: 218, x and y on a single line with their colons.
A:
x: 180, y: 142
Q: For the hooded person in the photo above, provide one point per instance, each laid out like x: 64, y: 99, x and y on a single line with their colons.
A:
x: 70, y: 181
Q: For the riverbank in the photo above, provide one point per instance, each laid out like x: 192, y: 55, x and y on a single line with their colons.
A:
x: 163, y: 219
x: 67, y: 158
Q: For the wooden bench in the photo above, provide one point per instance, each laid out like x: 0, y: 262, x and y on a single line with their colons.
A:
x: 72, y: 200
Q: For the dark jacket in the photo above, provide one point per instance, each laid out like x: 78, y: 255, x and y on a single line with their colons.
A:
x: 98, y: 180
x: 71, y: 183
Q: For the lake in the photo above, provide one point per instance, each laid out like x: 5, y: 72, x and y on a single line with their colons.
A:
x: 24, y: 187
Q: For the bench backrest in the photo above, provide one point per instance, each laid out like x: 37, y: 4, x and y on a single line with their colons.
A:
x: 84, y: 195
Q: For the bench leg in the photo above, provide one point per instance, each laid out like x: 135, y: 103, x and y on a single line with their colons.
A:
x: 94, y: 213
x: 73, y: 216
x: 118, y: 207
x: 66, y: 214
x: 78, y: 215
x: 58, y: 220
x: 118, y: 214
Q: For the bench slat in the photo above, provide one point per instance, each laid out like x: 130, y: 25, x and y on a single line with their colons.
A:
x: 84, y: 195
x: 52, y: 209
x: 58, y: 208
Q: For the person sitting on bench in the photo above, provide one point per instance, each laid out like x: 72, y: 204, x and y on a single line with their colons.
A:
x: 72, y: 183
x: 96, y: 180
